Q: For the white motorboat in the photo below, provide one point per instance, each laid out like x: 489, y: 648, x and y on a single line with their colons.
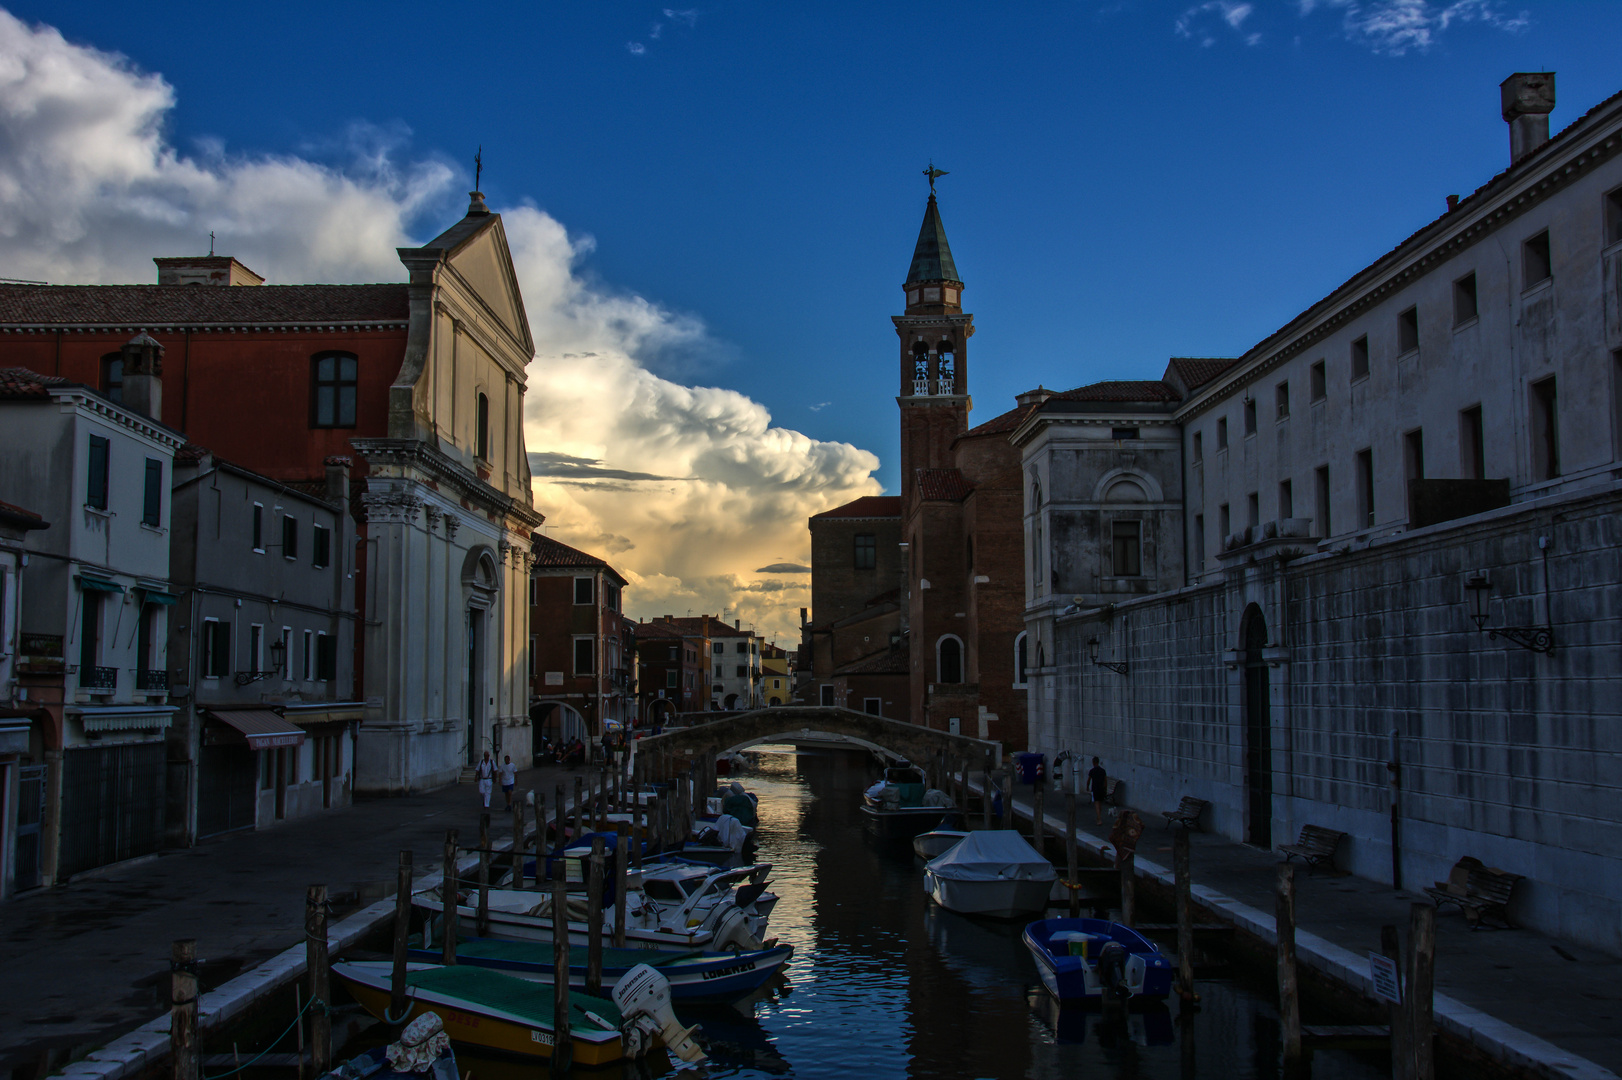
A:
x: 993, y: 873
x: 932, y: 845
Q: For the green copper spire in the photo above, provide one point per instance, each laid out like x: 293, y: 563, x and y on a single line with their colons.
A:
x: 932, y: 258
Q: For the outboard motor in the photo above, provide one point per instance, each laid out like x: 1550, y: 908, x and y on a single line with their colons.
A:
x: 643, y: 997
x: 1111, y: 968
x: 732, y: 929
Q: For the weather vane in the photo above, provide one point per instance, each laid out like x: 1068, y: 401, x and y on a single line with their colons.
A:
x: 478, y: 167
x: 211, y: 243
x: 933, y: 173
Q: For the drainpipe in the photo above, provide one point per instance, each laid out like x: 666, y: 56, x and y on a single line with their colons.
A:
x: 1393, y: 766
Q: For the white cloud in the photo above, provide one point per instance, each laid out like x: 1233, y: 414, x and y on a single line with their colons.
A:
x: 686, y: 489
x: 1200, y: 23
x: 635, y: 48
x: 1393, y: 27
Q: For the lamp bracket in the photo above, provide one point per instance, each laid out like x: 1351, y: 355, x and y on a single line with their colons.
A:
x: 1539, y: 639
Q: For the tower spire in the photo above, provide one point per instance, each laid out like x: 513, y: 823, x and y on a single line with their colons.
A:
x: 932, y: 257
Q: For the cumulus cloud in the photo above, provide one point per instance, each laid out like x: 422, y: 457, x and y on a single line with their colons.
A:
x: 1203, y: 22
x: 1393, y: 27
x: 683, y: 486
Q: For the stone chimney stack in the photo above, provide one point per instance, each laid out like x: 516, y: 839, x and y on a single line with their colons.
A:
x: 143, y: 376
x: 338, y: 466
x: 205, y: 270
x: 1528, y: 99
x: 1034, y: 397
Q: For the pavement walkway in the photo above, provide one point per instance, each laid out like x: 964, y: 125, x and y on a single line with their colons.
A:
x: 1520, y: 994
x: 87, y: 961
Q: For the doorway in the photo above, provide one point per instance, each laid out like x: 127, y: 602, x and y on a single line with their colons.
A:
x: 1258, y: 731
x: 30, y: 816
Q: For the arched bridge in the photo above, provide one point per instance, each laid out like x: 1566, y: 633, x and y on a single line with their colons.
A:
x: 785, y: 723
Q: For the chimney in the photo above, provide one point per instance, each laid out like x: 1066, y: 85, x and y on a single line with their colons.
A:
x: 737, y: 624
x: 205, y: 270
x: 1034, y: 397
x: 143, y: 376
x: 1528, y: 98
x: 802, y: 616
x: 338, y: 480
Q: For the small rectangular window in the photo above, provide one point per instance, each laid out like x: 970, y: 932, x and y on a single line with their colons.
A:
x: 1123, y: 433
x: 1321, y: 477
x: 719, y: 647
x: 1613, y: 216
x: 320, y: 546
x: 1126, y: 548
x: 1286, y: 499
x: 1250, y: 416
x: 1365, y: 489
x: 96, y: 486
x: 289, y: 537
x: 585, y: 656
x: 152, y: 506
x: 743, y: 672
x: 1408, y: 331
x: 333, y: 390
x: 1360, y: 358
x: 1199, y: 446
x: 1472, y: 444
x: 307, y: 655
x: 287, y: 655
x: 326, y: 658
x: 482, y: 433
x: 1464, y: 299
x: 827, y: 693
x: 1319, y: 383
x: 258, y: 528
x: 865, y: 551
x: 583, y: 591
x: 216, y: 649
x: 1222, y: 433
x: 1281, y: 397
x: 1199, y: 541
x: 1224, y: 523
x: 718, y: 671
x: 1545, y: 430
x: 1535, y: 265
x: 1253, y: 509
x: 670, y: 678
x: 1413, y: 462
x: 256, y: 648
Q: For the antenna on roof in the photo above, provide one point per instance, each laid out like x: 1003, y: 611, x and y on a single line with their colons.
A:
x: 211, y: 243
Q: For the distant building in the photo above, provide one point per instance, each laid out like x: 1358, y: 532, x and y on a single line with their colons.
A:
x: 857, y: 615
x: 735, y: 670
x: 776, y: 675
x: 673, y: 671
x: 22, y: 780
x: 582, y: 662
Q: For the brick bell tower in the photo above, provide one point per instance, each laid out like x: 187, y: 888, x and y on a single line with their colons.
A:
x: 934, y: 333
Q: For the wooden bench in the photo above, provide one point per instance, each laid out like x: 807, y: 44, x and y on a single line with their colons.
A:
x: 1187, y: 813
x: 1316, y: 845
x: 1480, y: 891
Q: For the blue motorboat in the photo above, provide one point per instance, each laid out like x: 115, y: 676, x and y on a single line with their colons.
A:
x: 1084, y: 959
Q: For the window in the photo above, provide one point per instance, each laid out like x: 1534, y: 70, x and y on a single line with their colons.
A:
x: 1365, y: 489
x: 259, y: 528
x: 670, y: 678
x: 1360, y: 358
x: 289, y: 537
x: 1253, y: 509
x: 1020, y: 657
x: 1199, y: 541
x: 1250, y: 416
x: 826, y: 694
x: 1613, y: 217
x: 718, y: 672
x: 949, y: 660
x: 1286, y: 499
x: 1535, y: 265
x: 1199, y: 447
x: 216, y: 649
x: 673, y: 650
x: 1413, y: 462
x: 611, y: 597
x: 873, y: 706
x: 1321, y: 482
x: 307, y: 655
x: 152, y: 506
x: 112, y: 376
x: 1126, y: 548
x: 333, y: 403
x: 1408, y: 331
x: 256, y: 648
x: 1222, y: 433
x: 585, y: 656
x: 482, y: 429
x: 1281, y: 394
x: 326, y: 657
x: 720, y: 647
x: 1318, y: 384
x: 89, y: 636
x: 1224, y: 523
x: 1545, y: 431
x: 287, y: 652
x: 96, y: 485
x: 865, y: 552
x: 1464, y: 300
x: 584, y: 593
x: 1472, y: 444
x: 320, y: 546
x: 1123, y: 433
x: 743, y: 671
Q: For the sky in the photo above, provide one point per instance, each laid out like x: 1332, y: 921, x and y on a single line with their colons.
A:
x: 712, y: 206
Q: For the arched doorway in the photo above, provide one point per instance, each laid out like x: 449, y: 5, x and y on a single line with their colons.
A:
x: 1258, y: 730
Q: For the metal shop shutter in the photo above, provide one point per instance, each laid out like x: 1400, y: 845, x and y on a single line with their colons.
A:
x: 112, y: 805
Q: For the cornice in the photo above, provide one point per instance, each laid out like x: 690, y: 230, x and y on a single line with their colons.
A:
x: 182, y: 327
x: 415, y: 454
x: 94, y: 403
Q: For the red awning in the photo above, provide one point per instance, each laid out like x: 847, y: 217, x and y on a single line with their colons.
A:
x: 264, y: 729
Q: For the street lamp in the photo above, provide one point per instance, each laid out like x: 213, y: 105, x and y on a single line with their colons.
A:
x: 1539, y: 639
x: 1117, y: 666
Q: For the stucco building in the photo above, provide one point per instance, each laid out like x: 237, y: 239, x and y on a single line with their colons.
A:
x: 582, y: 677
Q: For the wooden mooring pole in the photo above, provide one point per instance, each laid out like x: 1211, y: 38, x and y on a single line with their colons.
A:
x: 402, y: 936
x: 594, y: 920
x: 1421, y: 988
x: 1070, y: 852
x: 562, y: 1045
x: 1185, y: 918
x: 1289, y: 990
x: 483, y: 922
x: 448, y: 903
x: 578, y: 810
x: 621, y: 842
x: 183, y: 1046
x: 1402, y: 1059
x: 315, y: 960
x: 518, y: 842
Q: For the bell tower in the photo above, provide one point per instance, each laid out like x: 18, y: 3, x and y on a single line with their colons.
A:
x: 934, y: 336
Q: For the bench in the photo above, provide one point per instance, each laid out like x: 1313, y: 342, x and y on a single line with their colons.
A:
x: 1480, y: 891
x: 1316, y: 845
x: 1187, y: 813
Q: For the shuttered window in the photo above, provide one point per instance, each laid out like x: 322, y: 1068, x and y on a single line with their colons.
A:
x: 152, y: 511
x: 321, y: 545
x: 326, y: 657
x: 96, y: 488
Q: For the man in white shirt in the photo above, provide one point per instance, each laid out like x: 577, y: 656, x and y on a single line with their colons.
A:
x: 485, y: 773
x: 509, y: 778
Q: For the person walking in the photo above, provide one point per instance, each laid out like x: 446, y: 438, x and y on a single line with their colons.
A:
x: 1098, y: 788
x: 509, y: 779
x: 485, y: 773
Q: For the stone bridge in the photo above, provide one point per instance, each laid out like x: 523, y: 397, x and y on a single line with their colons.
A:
x: 787, y: 723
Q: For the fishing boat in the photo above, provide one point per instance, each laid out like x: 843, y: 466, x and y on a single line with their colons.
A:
x: 932, y: 845
x: 901, y: 805
x: 1082, y: 959
x: 695, y: 977
x: 993, y: 873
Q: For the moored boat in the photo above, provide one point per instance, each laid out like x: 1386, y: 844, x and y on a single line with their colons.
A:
x: 993, y: 873
x: 1082, y: 959
x: 932, y: 845
x: 901, y: 805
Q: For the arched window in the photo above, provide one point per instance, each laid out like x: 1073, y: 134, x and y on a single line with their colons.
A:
x: 949, y: 660
x: 920, y: 369
x: 947, y: 368
x: 481, y: 432
x: 333, y: 385
x: 1019, y: 660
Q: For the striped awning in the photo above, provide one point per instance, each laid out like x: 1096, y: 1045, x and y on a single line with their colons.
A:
x: 263, y: 729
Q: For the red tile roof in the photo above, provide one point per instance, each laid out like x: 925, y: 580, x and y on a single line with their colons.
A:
x: 1133, y: 390
x: 9, y: 508
x: 200, y: 305
x: 997, y: 425
x: 868, y: 506
x: 1196, y: 371
x: 884, y: 662
x: 19, y: 382
x: 552, y: 554
x: 948, y: 484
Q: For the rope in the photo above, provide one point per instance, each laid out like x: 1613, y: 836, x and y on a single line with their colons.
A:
x: 249, y: 1063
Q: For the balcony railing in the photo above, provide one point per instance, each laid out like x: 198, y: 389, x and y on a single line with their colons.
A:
x: 152, y: 681
x: 98, y: 678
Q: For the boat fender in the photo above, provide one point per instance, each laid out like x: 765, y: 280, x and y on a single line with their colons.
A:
x: 1112, y: 969
x: 643, y: 998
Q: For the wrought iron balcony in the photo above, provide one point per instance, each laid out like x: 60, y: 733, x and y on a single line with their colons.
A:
x: 152, y: 681
x: 98, y: 678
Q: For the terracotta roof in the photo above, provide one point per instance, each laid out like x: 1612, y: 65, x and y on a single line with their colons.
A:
x: 1127, y: 390
x: 16, y: 517
x: 868, y: 506
x: 550, y: 553
x: 949, y: 484
x: 1196, y: 371
x: 884, y: 662
x: 192, y: 452
x: 19, y: 382
x: 200, y: 305
x: 997, y: 425
x: 657, y: 630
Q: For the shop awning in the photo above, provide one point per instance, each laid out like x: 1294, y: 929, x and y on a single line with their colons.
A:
x: 263, y: 729
x: 122, y: 717
x: 158, y: 596
x: 96, y: 584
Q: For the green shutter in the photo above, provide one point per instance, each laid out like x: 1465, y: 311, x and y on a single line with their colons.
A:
x: 96, y: 489
x: 152, y: 513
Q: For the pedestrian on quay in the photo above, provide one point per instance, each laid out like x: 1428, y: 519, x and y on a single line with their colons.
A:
x: 509, y: 779
x: 1098, y: 788
x: 485, y: 773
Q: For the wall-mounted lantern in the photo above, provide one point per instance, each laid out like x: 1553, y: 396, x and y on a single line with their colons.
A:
x: 278, y: 654
x: 1117, y: 666
x: 1536, y: 638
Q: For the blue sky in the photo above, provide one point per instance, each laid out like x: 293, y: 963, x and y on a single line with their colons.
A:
x: 1128, y: 180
